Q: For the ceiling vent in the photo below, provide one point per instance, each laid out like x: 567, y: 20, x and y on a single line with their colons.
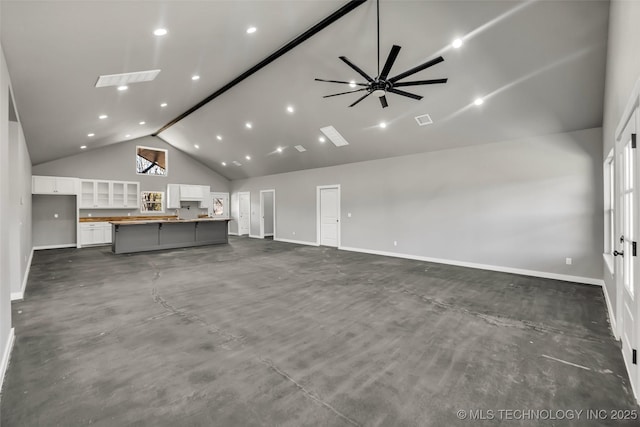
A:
x: 424, y: 120
x: 300, y: 148
x: 333, y: 135
x: 237, y: 163
x: 127, y: 78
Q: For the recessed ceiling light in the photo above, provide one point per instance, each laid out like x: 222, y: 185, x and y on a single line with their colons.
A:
x: 197, y: 146
x: 218, y: 137
x: 142, y: 123
x: 248, y: 125
x: 247, y: 157
x: 457, y: 43
x: 127, y: 136
x: 123, y: 87
x: 322, y: 139
x: 102, y: 116
x: 160, y: 32
x: 478, y: 101
x: 82, y: 147
x: 251, y: 30
x: 279, y: 149
x: 290, y: 109
x: 196, y: 77
x: 352, y: 83
x: 164, y: 104
x: 224, y: 163
x: 91, y: 134
x: 382, y: 125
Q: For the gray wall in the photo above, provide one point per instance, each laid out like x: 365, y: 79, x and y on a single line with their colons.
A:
x: 268, y: 213
x: 525, y: 204
x: 623, y: 70
x: 15, y: 208
x: 49, y: 230
x: 117, y: 162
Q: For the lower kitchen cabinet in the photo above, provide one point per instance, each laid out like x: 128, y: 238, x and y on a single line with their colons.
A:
x: 95, y: 233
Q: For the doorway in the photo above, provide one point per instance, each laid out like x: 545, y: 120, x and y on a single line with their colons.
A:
x: 267, y: 213
x: 625, y: 252
x: 328, y: 215
x: 244, y: 213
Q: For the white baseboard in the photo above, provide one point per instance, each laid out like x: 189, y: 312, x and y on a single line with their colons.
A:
x: 253, y: 236
x: 232, y: 233
x: 543, y: 274
x: 20, y: 295
x: 6, y: 355
x: 67, y: 245
x: 297, y: 242
x: 611, y: 314
x: 268, y: 234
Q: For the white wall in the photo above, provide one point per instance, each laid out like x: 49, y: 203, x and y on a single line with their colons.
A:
x: 623, y: 71
x: 15, y: 213
x: 525, y: 204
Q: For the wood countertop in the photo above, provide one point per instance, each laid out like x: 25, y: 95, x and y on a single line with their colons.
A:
x: 166, y: 221
x: 127, y: 218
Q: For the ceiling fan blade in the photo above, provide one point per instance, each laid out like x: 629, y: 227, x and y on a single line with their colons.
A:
x: 344, y: 93
x: 420, y: 82
x: 339, y: 81
x: 390, y: 60
x: 360, y: 99
x: 355, y: 67
x: 383, y: 101
x: 414, y: 70
x: 403, y: 93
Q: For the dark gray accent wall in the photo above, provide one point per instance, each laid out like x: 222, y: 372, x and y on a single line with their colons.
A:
x: 623, y: 71
x: 268, y: 213
x: 526, y: 204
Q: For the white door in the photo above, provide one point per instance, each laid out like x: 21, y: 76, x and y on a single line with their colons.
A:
x: 626, y: 259
x: 244, y: 215
x: 329, y: 216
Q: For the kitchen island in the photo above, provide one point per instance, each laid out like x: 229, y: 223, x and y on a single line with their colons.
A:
x: 152, y: 235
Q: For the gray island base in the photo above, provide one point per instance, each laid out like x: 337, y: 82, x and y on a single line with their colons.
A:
x: 139, y: 236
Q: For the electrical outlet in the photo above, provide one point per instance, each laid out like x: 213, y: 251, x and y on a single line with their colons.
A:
x: 129, y: 214
x: 90, y: 215
x: 568, y: 261
x: 349, y: 215
x: 294, y: 233
x: 395, y: 243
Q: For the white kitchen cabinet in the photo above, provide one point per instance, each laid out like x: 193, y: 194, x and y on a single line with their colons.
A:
x: 189, y: 193
x: 56, y: 185
x: 173, y: 196
x: 95, y: 233
x: 101, y: 194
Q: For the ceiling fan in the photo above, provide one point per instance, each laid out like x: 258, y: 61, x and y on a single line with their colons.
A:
x: 382, y: 84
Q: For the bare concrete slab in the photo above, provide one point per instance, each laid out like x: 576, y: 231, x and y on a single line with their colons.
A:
x: 264, y: 333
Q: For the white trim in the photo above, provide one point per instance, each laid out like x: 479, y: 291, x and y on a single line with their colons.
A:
x: 543, y: 274
x: 610, y: 313
x: 297, y: 242
x: 608, y: 261
x: 268, y: 234
x: 253, y: 236
x: 231, y: 233
x: 262, y: 234
x: 6, y: 355
x: 318, y: 219
x: 20, y: 295
x: 66, y: 245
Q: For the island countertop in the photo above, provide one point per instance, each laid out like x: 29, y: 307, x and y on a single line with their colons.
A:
x: 167, y: 221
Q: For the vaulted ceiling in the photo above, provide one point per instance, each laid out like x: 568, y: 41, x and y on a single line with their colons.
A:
x: 538, y: 65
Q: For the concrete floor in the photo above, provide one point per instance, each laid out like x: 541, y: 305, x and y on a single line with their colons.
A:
x: 267, y: 333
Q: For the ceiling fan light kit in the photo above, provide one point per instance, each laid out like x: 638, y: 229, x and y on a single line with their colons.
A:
x: 382, y: 84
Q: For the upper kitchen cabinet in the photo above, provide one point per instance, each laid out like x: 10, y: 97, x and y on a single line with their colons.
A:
x: 54, y: 185
x: 177, y: 193
x: 99, y: 194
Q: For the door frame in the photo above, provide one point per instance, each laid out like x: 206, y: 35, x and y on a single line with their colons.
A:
x: 631, y: 112
x: 318, y: 219
x: 240, y: 193
x: 262, y: 193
